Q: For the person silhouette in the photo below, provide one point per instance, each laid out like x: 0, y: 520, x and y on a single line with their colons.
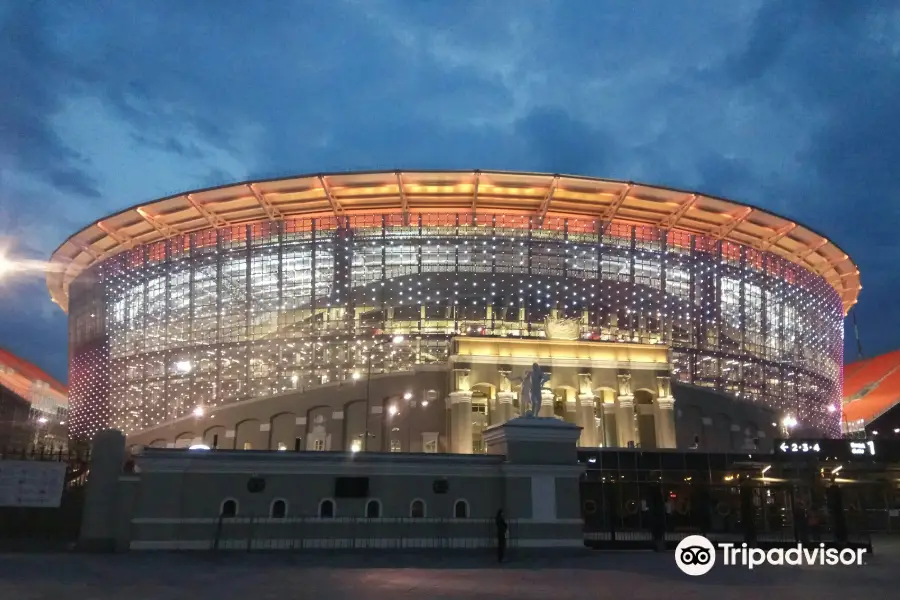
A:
x: 501, y: 535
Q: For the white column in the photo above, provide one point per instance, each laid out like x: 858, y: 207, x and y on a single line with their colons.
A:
x: 461, y: 422
x: 625, y: 420
x: 665, y: 422
x: 505, y: 405
x: 546, y: 404
x: 609, y: 437
x: 586, y: 421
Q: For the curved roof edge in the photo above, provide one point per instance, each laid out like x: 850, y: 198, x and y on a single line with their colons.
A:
x: 413, y: 192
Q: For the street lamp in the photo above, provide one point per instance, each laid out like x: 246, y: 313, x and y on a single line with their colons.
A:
x: 788, y: 423
x: 397, y: 339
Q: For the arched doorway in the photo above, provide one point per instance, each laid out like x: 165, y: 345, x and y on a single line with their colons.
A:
x: 605, y: 419
x: 564, y: 397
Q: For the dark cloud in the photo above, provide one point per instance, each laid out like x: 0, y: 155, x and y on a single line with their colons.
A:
x: 34, y: 78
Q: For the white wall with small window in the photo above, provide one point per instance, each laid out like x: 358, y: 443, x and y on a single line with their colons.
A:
x: 373, y: 508
x: 278, y: 509
x: 228, y: 508
x: 418, y: 509
x: 327, y: 508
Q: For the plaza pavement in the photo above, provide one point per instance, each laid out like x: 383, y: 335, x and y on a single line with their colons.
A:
x: 595, y: 575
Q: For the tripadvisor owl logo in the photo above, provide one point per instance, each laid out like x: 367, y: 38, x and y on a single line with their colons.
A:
x: 696, y: 555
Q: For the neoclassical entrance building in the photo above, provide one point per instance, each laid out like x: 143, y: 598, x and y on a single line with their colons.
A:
x: 618, y: 393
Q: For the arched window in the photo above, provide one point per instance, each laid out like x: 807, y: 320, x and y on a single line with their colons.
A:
x: 278, y: 510
x: 326, y: 509
x: 229, y: 508
x: 417, y: 509
x: 461, y: 510
x: 373, y: 509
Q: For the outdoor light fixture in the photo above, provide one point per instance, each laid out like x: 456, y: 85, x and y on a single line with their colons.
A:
x: 407, y: 396
x: 789, y: 422
x: 183, y: 366
x: 199, y: 447
x: 356, y: 376
x: 392, y: 410
x: 198, y: 411
x: 355, y: 446
x: 832, y: 408
x: 397, y: 339
x: 42, y: 420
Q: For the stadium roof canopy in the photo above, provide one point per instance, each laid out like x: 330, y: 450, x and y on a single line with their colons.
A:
x: 871, y: 387
x: 412, y: 192
x: 29, y: 371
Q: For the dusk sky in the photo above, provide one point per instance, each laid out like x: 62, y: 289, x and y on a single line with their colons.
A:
x: 792, y: 106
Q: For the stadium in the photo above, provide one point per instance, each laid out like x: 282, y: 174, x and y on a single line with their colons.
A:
x: 400, y: 310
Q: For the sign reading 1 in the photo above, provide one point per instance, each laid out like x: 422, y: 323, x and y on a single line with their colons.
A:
x: 799, y: 447
x: 867, y: 447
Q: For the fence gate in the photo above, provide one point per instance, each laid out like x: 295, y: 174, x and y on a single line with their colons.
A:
x: 657, y: 515
x: 41, y: 499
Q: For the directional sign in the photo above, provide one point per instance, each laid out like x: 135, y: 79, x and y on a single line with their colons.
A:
x: 800, y: 447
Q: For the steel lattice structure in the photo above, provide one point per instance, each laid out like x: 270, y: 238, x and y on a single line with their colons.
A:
x: 191, y: 308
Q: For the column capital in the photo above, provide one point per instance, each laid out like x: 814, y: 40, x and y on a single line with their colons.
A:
x: 457, y: 397
x: 586, y: 399
x: 608, y: 408
x: 547, y: 398
x: 505, y: 397
x: 666, y: 402
x: 626, y: 400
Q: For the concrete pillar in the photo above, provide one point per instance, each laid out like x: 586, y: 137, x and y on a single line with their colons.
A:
x: 665, y: 422
x: 494, y: 411
x: 98, y: 517
x: 610, y: 435
x: 625, y: 420
x: 505, y: 406
x: 461, y: 422
x: 571, y: 414
x: 546, y: 404
x: 585, y: 420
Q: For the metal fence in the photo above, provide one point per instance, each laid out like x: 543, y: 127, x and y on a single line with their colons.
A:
x: 646, y: 514
x: 53, y: 528
x: 245, y: 533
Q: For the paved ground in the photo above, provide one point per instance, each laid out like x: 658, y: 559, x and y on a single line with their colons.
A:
x: 599, y: 575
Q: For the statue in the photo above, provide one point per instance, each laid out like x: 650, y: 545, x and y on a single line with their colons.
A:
x: 532, y: 386
x: 625, y: 384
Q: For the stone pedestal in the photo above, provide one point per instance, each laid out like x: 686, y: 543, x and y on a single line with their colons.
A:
x: 540, y: 480
x: 625, y: 421
x: 665, y: 422
x: 98, y: 527
x: 461, y: 422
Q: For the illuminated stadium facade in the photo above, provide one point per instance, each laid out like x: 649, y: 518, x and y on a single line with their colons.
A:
x: 256, y: 290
